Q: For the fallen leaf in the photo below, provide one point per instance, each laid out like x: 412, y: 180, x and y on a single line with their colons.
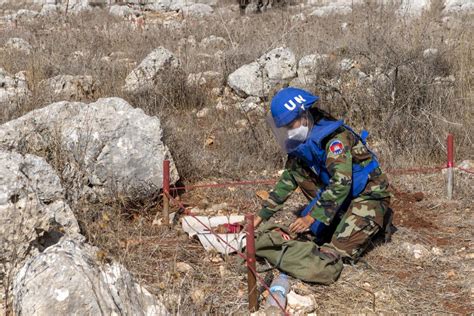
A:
x: 264, y: 195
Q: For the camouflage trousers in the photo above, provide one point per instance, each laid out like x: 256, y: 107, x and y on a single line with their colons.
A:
x: 360, y: 220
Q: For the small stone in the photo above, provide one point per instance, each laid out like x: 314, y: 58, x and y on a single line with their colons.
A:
x: 198, y: 296
x: 203, y: 113
x: 436, y: 251
x: 301, y: 303
x: 183, y: 267
x: 451, y: 274
x: 416, y: 250
x: 430, y: 53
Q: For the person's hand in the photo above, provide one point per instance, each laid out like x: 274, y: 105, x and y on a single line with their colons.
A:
x: 257, y: 221
x: 301, y: 224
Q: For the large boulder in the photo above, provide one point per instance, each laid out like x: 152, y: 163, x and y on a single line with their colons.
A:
x: 258, y: 78
x: 458, y: 6
x: 67, y: 279
x: 13, y: 87
x: 33, y: 211
x: 151, y: 70
x: 102, y: 146
x: 413, y: 7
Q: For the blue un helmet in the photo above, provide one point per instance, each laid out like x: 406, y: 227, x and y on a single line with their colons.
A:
x: 288, y: 105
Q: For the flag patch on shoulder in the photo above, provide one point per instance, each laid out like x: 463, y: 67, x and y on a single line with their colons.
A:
x: 336, y: 147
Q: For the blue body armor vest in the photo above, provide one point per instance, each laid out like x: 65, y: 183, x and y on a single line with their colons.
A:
x: 313, y: 154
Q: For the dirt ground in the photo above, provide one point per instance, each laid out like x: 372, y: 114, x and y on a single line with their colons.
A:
x: 428, y: 267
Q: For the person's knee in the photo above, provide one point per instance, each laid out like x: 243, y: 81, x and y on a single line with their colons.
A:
x: 352, y: 239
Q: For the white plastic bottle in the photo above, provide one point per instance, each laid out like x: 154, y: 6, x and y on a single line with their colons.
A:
x: 279, y: 288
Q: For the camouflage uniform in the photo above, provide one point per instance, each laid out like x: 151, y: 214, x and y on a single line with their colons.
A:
x: 362, y: 217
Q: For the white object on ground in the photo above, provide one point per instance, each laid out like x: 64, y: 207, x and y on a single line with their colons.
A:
x: 193, y: 227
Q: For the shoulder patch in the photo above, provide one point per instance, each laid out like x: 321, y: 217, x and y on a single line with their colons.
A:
x: 336, y: 147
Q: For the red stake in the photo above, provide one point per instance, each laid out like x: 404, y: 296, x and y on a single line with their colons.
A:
x: 251, y: 277
x: 450, y: 165
x: 166, y: 191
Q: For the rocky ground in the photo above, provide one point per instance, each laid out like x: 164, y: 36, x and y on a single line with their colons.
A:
x: 95, y: 94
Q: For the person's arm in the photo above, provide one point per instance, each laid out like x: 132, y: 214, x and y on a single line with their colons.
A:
x: 281, y: 192
x: 339, y: 165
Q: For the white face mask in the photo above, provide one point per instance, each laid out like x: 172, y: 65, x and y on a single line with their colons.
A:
x: 298, y: 134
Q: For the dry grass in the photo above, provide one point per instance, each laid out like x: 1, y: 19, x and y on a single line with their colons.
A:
x: 408, y: 119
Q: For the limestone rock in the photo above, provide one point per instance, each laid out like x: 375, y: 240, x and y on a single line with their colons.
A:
x: 198, y: 10
x: 106, y: 145
x: 121, y: 11
x: 249, y: 80
x: 413, y: 7
x: 18, y: 44
x: 213, y: 43
x: 251, y: 104
x: 71, y: 87
x: 77, y: 284
x: 331, y: 9
x: 299, y: 303
x: 206, y: 78
x: 13, y: 87
x: 416, y: 250
x: 280, y: 64
x: 33, y: 210
x: 258, y: 78
x: 309, y: 67
x: 149, y: 71
x: 458, y: 6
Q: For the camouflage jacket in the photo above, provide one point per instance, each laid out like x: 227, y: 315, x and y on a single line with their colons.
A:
x: 335, y: 195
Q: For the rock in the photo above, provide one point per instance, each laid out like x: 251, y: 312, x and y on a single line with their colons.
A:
x: 203, y: 113
x: 309, y: 66
x: 467, y: 164
x: 23, y: 15
x: 346, y: 64
x: 280, y: 64
x: 78, y: 283
x: 33, y: 210
x: 270, y: 70
x: 121, y: 11
x: 300, y: 17
x: 210, y: 79
x: 300, y: 303
x: 105, y: 146
x: 458, y: 6
x: 249, y: 80
x: 251, y: 104
x: 416, y: 250
x: 71, y: 87
x: 413, y: 7
x: 183, y: 267
x: 331, y: 9
x: 430, y: 53
x: 198, y: 10
x: 437, y: 251
x: 13, y: 88
x: 198, y: 296
x: 213, y: 43
x: 19, y: 44
x: 149, y: 71
x: 49, y: 9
